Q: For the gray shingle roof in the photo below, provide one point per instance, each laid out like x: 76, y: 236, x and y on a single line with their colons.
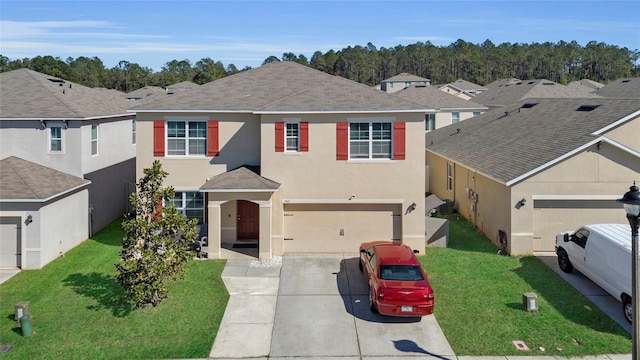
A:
x: 29, y: 94
x: 405, y: 77
x: 510, y: 91
x: 507, y: 147
x: 465, y: 85
x: 431, y: 97
x: 625, y: 88
x: 143, y: 92
x: 280, y: 86
x: 240, y: 179
x: 24, y: 180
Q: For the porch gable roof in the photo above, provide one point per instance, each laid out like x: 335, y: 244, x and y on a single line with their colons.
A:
x: 239, y: 180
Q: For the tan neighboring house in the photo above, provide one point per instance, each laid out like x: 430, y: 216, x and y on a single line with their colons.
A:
x: 538, y: 167
x: 401, y: 81
x: 447, y: 109
x: 68, y: 128
x: 290, y: 159
x: 462, y: 88
x: 505, y: 92
x: 593, y: 85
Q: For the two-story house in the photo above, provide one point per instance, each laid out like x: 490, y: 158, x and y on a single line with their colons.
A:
x: 462, y: 88
x: 72, y: 130
x: 402, y: 81
x: 290, y: 159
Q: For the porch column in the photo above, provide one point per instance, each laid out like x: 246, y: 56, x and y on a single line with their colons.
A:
x: 265, y: 250
x: 214, y: 232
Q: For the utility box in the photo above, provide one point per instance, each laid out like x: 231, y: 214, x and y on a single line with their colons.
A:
x: 22, y: 308
x: 530, y: 301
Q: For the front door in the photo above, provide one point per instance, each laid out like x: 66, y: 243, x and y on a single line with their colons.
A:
x: 248, y: 223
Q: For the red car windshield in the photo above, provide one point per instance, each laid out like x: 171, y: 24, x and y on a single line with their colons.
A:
x: 400, y: 272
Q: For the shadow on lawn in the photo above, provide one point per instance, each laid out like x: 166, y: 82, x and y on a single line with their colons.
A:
x: 104, y: 289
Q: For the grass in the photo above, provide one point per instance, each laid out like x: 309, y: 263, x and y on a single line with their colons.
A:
x: 78, y: 309
x: 479, y: 303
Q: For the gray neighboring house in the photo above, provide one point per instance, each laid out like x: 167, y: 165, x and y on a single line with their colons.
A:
x: 401, y: 81
x: 621, y: 88
x: 462, y: 88
x: 43, y: 213
x: 80, y: 131
x: 505, y: 92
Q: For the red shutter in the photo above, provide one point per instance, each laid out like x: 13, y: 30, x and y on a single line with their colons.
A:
x: 158, y: 138
x: 399, y: 140
x: 213, y: 138
x: 304, y: 136
x: 279, y: 137
x: 342, y: 141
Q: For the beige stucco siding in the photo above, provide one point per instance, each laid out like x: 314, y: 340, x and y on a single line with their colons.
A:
x: 627, y: 134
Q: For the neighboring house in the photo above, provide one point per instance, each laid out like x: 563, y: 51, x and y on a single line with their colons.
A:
x: 509, y: 91
x: 462, y: 88
x: 144, y: 92
x: 622, y: 88
x: 84, y: 132
x: 539, y: 167
x: 401, y: 81
x: 181, y: 86
x: 43, y: 213
x: 594, y: 85
x: 290, y: 158
x: 447, y: 109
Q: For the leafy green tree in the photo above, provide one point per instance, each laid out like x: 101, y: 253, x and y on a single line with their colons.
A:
x: 155, y: 247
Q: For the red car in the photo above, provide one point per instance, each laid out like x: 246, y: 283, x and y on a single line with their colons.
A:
x: 398, y: 286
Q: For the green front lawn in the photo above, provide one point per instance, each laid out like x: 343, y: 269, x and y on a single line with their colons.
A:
x: 78, y: 310
x: 479, y: 303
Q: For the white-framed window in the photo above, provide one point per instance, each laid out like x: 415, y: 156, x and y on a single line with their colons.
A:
x: 455, y: 117
x: 450, y: 176
x: 133, y: 132
x: 189, y: 203
x: 430, y: 121
x: 476, y: 113
x: 407, y: 84
x: 94, y: 139
x: 55, y: 139
x: 370, y: 140
x: 187, y: 138
x: 292, y: 136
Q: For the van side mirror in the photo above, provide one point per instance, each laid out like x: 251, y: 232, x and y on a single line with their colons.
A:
x: 416, y: 251
x: 363, y: 251
x: 566, y: 237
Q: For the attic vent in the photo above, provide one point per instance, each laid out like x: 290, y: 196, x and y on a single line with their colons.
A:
x: 548, y: 83
x: 625, y: 81
x: 519, y: 83
x: 528, y: 105
x: 530, y: 82
x: 587, y: 107
x: 56, y: 80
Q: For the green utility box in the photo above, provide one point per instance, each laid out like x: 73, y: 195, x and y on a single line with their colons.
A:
x: 22, y: 308
x: 530, y: 301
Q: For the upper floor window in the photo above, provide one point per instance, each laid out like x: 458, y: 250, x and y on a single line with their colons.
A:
x: 450, y: 176
x: 94, y: 139
x: 407, y: 84
x: 476, y: 113
x: 370, y: 140
x: 186, y: 137
x: 455, y: 117
x: 431, y: 121
x: 190, y: 204
x: 133, y: 131
x: 292, y: 136
x: 55, y: 139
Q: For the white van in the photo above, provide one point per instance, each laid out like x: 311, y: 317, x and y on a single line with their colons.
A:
x: 602, y: 252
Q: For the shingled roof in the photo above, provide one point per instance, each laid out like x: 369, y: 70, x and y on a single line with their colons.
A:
x: 240, y: 179
x: 429, y: 96
x: 405, y: 77
x: 625, y: 88
x: 523, y: 138
x: 22, y: 180
x: 509, y: 91
x: 280, y: 87
x: 29, y: 94
x: 464, y: 85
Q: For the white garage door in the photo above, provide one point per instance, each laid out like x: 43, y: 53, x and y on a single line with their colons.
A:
x: 339, y: 228
x: 10, y: 242
x: 551, y: 217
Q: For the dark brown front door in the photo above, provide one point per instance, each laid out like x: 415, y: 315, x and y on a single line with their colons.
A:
x: 248, y: 223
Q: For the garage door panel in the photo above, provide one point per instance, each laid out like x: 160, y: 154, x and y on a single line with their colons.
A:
x: 338, y: 228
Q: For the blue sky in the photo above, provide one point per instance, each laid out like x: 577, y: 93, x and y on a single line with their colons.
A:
x: 244, y: 33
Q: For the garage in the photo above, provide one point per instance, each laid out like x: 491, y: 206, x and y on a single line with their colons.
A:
x: 10, y: 244
x: 338, y: 228
x: 551, y: 217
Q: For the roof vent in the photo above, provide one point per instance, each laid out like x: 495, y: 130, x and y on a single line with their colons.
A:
x: 530, y: 82
x: 587, y: 107
x: 528, y: 105
x: 548, y: 83
x: 56, y: 80
x: 625, y: 81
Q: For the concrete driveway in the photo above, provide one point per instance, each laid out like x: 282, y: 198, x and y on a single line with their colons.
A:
x: 322, y: 311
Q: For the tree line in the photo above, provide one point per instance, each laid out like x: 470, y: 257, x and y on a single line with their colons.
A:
x: 561, y: 62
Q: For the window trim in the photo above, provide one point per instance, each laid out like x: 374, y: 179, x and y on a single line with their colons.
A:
x: 427, y: 120
x: 450, y: 176
x: 286, y: 136
x: 186, y: 120
x: 50, y: 139
x: 183, y: 206
x: 455, y: 119
x: 134, y: 132
x: 95, y: 140
x: 371, y: 121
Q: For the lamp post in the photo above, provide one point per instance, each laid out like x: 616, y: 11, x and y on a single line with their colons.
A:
x: 631, y: 202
